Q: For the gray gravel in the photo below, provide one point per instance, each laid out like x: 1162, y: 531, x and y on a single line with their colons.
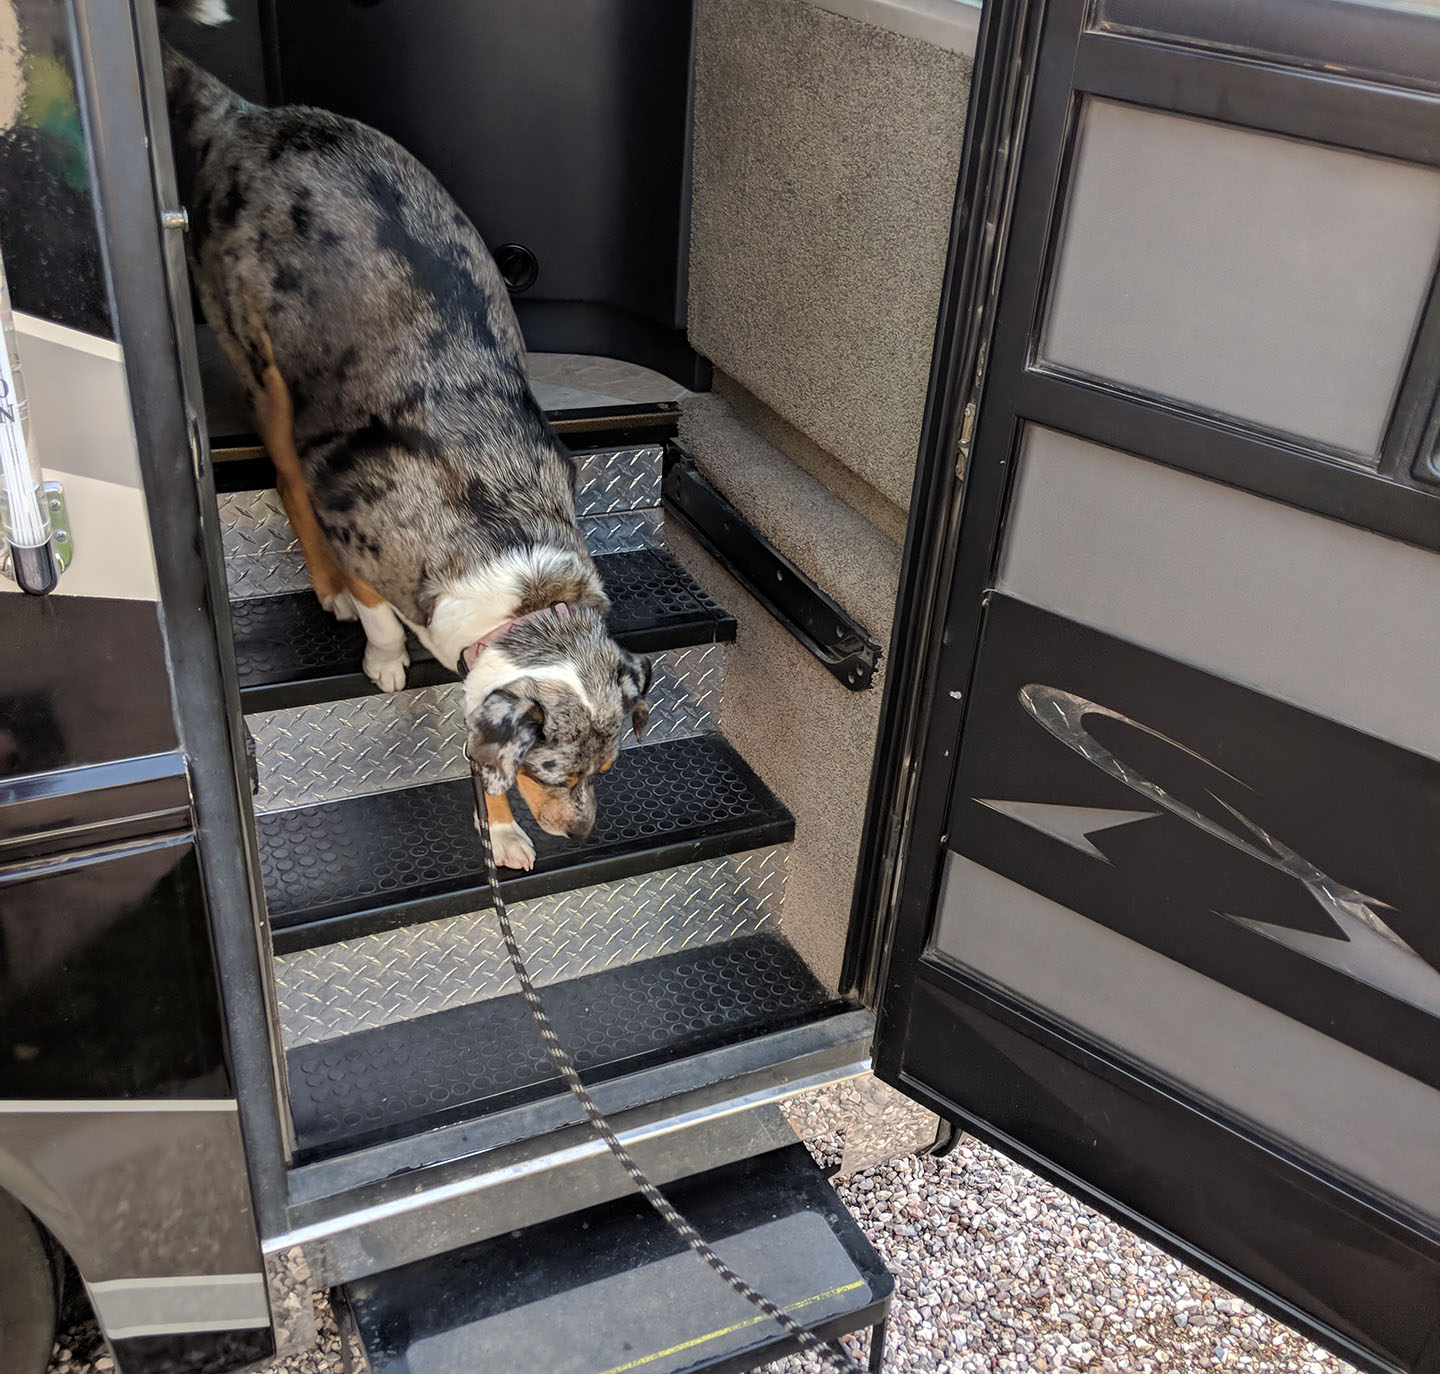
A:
x: 995, y: 1270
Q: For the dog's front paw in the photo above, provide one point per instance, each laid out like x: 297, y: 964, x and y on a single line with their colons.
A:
x: 386, y: 671
x: 339, y: 604
x: 512, y: 847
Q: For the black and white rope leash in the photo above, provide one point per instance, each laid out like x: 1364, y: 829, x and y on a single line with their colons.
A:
x: 565, y: 1066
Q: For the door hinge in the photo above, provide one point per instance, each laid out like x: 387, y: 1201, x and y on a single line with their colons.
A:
x: 967, y: 433
x: 968, y: 415
x: 197, y: 446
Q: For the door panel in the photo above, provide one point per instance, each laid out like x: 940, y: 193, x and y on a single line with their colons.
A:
x: 107, y: 986
x: 1166, y: 916
x: 1258, y: 591
x: 1159, y: 241
x: 1245, y: 1215
x: 1209, y: 822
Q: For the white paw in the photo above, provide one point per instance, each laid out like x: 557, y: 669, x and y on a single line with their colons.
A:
x: 386, y: 671
x: 513, y: 847
x: 340, y: 605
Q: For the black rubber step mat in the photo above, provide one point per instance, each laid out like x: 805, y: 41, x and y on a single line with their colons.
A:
x: 353, y: 867
x: 611, y: 1288
x: 391, y: 1081
x: 290, y: 652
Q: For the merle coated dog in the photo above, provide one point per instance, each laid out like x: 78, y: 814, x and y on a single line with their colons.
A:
x: 385, y: 368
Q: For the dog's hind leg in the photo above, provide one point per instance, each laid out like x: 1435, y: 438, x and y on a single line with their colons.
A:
x: 274, y: 415
x: 385, y: 656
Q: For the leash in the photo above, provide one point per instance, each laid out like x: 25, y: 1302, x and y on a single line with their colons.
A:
x: 565, y: 1066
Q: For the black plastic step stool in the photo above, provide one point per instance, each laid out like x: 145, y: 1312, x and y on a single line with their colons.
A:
x: 611, y: 1290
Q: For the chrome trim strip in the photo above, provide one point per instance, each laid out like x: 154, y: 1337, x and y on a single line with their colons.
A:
x: 179, y: 1303
x: 65, y: 337
x: 556, y: 1159
x: 26, y: 1107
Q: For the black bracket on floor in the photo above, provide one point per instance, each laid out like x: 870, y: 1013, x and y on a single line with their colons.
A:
x: 947, y: 1136
x: 818, y: 621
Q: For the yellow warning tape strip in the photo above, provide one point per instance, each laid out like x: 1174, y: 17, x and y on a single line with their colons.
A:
x: 728, y: 1330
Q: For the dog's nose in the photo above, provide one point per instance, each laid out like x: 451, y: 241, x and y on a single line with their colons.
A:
x: 578, y: 830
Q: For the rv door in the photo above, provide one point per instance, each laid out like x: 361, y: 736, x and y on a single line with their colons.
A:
x: 1164, y: 916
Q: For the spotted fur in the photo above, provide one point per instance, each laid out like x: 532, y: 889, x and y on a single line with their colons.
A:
x: 326, y: 257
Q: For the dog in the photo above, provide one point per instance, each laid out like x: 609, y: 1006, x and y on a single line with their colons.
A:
x: 385, y: 369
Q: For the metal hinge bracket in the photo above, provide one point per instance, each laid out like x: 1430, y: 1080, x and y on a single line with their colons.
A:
x: 813, y: 617
x: 62, y: 540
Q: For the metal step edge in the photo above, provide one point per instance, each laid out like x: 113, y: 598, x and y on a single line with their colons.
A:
x: 377, y: 980
x: 663, y: 806
x: 605, y: 1291
x: 404, y: 1200
x: 331, y: 750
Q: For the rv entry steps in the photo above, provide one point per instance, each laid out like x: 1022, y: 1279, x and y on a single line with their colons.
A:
x: 612, y: 1289
x: 291, y: 652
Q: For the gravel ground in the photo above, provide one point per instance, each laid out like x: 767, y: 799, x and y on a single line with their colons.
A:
x: 997, y: 1271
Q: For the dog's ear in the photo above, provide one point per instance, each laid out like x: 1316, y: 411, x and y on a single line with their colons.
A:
x: 635, y: 675
x: 499, y: 733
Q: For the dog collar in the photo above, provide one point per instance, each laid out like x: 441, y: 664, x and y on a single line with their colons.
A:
x: 470, y: 654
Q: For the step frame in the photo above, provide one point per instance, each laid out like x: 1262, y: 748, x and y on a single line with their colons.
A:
x: 420, y: 1196
x: 393, y: 1313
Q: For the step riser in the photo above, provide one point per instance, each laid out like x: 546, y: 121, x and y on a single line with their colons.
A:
x: 379, y: 980
x: 333, y: 750
x: 618, y: 500
x: 262, y: 556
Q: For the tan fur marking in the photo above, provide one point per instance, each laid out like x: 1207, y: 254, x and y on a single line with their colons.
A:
x: 274, y: 418
x: 498, y: 809
x: 363, y: 592
x: 536, y: 794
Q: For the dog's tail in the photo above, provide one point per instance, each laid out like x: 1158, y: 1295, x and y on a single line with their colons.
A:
x: 199, y: 102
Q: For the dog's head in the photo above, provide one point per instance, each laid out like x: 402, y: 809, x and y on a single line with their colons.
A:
x: 559, y: 721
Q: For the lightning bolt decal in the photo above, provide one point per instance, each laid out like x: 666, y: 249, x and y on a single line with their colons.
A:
x: 1071, y: 825
x: 1364, y: 947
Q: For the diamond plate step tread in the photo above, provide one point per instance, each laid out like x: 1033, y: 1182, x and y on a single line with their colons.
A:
x: 350, y: 868
x: 610, y: 1288
x: 290, y: 652
x: 418, y: 1074
x: 263, y: 558
x: 355, y: 985
x: 610, y: 477
x: 334, y: 749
